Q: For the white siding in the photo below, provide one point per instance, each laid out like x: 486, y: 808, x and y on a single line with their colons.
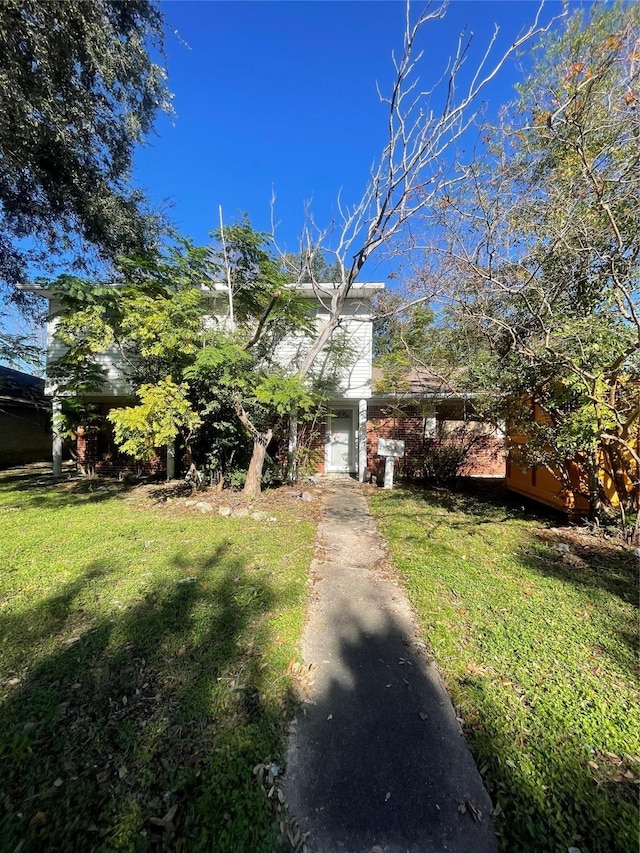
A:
x: 355, y: 325
x: 116, y: 384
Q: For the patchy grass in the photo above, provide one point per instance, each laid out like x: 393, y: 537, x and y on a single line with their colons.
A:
x: 145, y: 667
x: 534, y: 630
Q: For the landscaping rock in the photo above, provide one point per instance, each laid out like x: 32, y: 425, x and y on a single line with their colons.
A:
x: 204, y: 507
x: 258, y: 515
x: 241, y: 512
x: 225, y: 511
x: 306, y: 497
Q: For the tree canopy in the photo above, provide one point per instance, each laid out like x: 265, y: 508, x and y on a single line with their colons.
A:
x: 536, y: 254
x: 79, y: 90
x: 195, y: 332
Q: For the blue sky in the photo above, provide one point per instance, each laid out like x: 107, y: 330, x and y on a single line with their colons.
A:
x: 282, y: 96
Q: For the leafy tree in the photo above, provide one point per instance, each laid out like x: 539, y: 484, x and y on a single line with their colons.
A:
x: 540, y: 249
x: 164, y: 413
x: 178, y: 334
x: 79, y: 91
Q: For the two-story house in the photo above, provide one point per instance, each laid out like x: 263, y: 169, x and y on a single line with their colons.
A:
x: 355, y: 418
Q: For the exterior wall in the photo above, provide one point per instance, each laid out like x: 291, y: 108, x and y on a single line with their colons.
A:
x: 544, y: 486
x: 485, y: 459
x: 115, y: 385
x: 25, y: 435
x: 541, y: 485
x: 311, y: 438
x: 409, y: 427
x: 353, y: 381
x: 97, y: 451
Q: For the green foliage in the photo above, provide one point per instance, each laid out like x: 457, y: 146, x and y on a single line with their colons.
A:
x: 402, y: 338
x: 79, y: 90
x: 223, y: 362
x: 538, y: 650
x: 256, y: 277
x: 163, y: 317
x: 164, y: 413
x: 284, y: 393
x: 540, y: 254
x: 312, y: 266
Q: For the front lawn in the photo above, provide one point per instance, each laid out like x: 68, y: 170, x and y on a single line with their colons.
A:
x: 534, y: 629
x: 145, y: 660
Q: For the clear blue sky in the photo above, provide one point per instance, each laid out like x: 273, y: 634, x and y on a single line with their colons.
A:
x: 282, y: 96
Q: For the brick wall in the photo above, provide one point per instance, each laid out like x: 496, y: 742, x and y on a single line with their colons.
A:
x: 311, y: 440
x: 409, y: 427
x: 485, y: 459
x: 97, y: 451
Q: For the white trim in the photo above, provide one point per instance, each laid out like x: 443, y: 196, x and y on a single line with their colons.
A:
x: 362, y: 439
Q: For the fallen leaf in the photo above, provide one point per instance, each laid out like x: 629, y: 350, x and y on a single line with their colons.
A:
x: 58, y: 782
x: 593, y: 764
x: 182, y: 651
x: 424, y: 715
x: 38, y: 818
x: 330, y: 717
x: 388, y: 794
x: 170, y: 814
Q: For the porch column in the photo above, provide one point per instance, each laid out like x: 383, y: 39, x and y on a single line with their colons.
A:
x: 362, y: 440
x: 56, y: 429
x: 171, y: 461
x: 292, y: 472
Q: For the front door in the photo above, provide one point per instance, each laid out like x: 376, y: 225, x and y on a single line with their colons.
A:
x: 340, y: 444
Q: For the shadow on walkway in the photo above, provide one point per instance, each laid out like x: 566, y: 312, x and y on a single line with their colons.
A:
x: 378, y: 757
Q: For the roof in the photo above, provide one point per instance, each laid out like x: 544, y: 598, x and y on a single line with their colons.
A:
x: 420, y: 382
x: 18, y: 387
x: 307, y: 290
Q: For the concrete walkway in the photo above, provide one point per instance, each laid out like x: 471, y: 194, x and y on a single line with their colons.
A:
x: 377, y: 762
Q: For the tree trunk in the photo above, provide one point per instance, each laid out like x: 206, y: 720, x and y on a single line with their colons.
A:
x: 593, y: 475
x: 254, y: 474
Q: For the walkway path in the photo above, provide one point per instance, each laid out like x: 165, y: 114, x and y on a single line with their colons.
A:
x: 378, y: 761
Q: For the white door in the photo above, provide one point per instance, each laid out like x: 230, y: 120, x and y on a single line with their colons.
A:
x: 340, y: 445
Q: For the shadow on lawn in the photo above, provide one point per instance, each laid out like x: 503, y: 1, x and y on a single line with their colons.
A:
x: 141, y: 730
x: 599, y: 564
x: 40, y: 491
x: 381, y: 765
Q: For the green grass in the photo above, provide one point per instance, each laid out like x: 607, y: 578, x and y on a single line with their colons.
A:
x: 144, y: 659
x: 538, y: 649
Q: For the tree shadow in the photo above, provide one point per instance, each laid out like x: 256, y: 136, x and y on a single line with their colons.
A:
x: 591, y: 562
x: 378, y: 757
x: 141, y: 731
x: 378, y: 761
x: 38, y: 492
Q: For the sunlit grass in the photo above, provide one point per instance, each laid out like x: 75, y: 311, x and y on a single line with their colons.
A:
x: 143, y: 660
x: 537, y: 644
